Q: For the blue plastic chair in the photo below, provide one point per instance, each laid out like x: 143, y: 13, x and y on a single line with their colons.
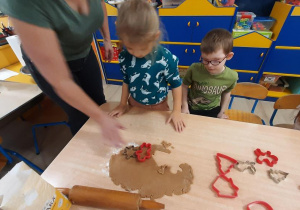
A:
x: 7, y: 154
x: 285, y: 102
x: 37, y: 151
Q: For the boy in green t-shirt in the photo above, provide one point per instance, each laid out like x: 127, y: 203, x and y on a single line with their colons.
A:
x: 211, y: 81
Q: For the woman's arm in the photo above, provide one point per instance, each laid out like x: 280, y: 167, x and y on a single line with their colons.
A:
x: 109, y: 52
x: 42, y: 46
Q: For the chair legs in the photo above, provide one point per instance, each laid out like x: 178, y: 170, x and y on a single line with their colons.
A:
x: 37, y: 151
x: 7, y: 153
x: 273, y: 116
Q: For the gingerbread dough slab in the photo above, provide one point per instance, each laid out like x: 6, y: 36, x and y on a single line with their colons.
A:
x: 151, y: 181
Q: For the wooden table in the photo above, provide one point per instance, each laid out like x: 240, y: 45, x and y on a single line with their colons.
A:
x: 16, y: 97
x: 84, y: 161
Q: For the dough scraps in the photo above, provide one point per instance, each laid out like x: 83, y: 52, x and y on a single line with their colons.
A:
x: 152, y: 181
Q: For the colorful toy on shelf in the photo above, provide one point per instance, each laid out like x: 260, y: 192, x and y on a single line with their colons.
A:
x: 244, y: 20
x: 224, y: 3
x: 293, y: 2
x: 263, y: 23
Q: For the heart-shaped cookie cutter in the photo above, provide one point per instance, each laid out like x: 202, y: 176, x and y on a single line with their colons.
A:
x: 262, y: 203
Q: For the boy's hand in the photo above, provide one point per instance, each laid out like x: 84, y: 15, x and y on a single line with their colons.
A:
x: 177, y: 121
x: 221, y: 115
x: 118, y: 111
x: 185, y: 109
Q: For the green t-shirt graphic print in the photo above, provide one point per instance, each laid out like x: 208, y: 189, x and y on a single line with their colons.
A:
x: 206, y: 89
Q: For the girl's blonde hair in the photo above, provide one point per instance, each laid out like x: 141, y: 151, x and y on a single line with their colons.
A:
x: 137, y: 22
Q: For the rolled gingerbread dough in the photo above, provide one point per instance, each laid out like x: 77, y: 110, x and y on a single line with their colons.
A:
x: 151, y: 181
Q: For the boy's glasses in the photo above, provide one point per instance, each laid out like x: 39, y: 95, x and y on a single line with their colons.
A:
x: 214, y: 62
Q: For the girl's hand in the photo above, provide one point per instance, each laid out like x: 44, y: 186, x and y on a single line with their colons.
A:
x: 110, y: 130
x: 118, y: 111
x: 185, y: 109
x: 109, y: 51
x: 177, y: 121
x: 221, y: 115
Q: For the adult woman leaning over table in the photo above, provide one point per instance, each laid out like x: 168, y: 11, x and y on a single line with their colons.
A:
x: 56, y: 38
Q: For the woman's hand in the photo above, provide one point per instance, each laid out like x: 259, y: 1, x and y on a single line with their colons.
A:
x: 177, y: 121
x: 109, y: 51
x: 111, y: 130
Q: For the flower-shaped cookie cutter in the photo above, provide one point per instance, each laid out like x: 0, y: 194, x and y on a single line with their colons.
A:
x: 233, y: 161
x: 262, y: 203
x: 268, y: 154
x: 273, y: 175
x: 139, y: 152
x: 247, y: 165
x: 229, y: 180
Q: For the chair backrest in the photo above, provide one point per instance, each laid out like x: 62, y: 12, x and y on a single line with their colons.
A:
x: 285, y: 102
x: 251, y: 90
x: 288, y: 102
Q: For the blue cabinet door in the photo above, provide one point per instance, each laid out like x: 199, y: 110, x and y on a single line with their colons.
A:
x: 247, y: 58
x: 246, y: 77
x: 289, y: 34
x: 187, y: 54
x: 112, y: 29
x: 176, y: 28
x: 201, y: 25
x: 192, y: 28
x: 112, y: 71
x: 283, y: 61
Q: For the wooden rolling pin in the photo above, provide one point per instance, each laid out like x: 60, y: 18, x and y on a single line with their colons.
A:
x: 110, y: 199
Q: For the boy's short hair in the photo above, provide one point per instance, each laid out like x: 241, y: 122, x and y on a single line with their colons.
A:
x: 217, y: 39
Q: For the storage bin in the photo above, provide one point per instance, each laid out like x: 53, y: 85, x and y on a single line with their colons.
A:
x: 263, y: 23
x: 244, y: 20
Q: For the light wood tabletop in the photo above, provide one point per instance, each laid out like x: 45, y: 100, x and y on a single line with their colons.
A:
x: 14, y: 95
x: 85, y: 160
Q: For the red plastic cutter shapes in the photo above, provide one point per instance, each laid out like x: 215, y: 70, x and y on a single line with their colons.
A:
x: 266, y: 205
x: 139, y: 152
x: 219, y: 156
x: 259, y: 153
x: 229, y: 180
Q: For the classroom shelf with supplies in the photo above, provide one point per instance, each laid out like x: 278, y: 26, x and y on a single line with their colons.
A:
x: 256, y: 53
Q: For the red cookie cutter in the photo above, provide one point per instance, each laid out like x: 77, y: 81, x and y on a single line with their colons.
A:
x: 229, y: 180
x: 259, y: 153
x: 266, y: 205
x: 219, y: 156
x: 139, y: 152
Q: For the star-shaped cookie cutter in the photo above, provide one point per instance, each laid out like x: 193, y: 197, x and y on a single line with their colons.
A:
x: 259, y: 153
x: 275, y: 178
x: 127, y: 155
x: 139, y: 152
x: 244, y: 165
x: 229, y: 180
